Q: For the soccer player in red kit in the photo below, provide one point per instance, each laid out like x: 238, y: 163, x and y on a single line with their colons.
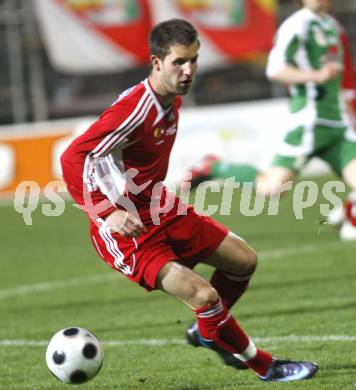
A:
x: 115, y: 172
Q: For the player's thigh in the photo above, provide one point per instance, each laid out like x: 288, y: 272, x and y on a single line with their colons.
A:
x: 333, y: 156
x: 292, y: 153
x: 186, y: 285
x: 234, y: 256
x: 194, y: 237
x: 348, y: 158
x: 330, y: 144
x: 341, y: 157
x: 349, y: 173
x: 140, y: 259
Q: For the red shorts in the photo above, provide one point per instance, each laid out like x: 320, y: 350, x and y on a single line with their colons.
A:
x: 188, y: 239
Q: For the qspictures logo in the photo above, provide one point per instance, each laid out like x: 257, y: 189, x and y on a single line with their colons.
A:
x: 304, y: 194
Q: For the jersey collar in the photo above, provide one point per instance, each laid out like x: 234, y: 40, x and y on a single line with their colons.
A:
x: 161, y: 112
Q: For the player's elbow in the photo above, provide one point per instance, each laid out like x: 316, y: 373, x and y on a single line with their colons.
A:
x: 275, y: 67
x: 273, y: 73
x: 64, y: 160
x: 272, y: 76
x: 67, y: 163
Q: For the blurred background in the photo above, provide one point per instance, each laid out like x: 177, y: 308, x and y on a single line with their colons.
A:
x: 36, y: 84
x: 69, y: 59
x: 62, y: 62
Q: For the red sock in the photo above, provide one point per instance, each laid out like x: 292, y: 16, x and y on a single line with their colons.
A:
x: 229, y: 287
x: 350, y: 211
x: 216, y: 324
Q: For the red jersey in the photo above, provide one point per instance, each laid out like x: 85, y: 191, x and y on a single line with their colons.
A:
x: 136, y: 132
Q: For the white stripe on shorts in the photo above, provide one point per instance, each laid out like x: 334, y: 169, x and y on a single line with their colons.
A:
x: 113, y: 249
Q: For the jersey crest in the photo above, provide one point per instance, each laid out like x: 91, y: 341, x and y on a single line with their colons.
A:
x: 319, y: 36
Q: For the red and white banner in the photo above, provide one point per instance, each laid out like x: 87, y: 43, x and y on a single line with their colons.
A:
x: 95, y: 36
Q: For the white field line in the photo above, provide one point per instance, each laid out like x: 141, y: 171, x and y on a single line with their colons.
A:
x: 299, y: 250
x: 174, y: 341
x: 79, y: 281
x: 56, y: 284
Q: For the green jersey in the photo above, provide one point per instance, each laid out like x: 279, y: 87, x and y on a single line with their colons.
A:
x: 307, y: 41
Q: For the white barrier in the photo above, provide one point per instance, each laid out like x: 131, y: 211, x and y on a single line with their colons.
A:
x: 240, y: 132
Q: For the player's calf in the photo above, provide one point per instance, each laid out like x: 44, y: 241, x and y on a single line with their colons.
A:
x: 195, y: 339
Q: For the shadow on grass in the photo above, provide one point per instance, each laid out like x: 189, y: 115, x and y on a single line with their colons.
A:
x: 301, y: 310
x: 337, y: 367
x: 302, y: 282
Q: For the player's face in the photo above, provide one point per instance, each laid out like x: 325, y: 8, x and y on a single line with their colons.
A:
x: 178, y: 69
x: 327, y: 5
x: 317, y: 5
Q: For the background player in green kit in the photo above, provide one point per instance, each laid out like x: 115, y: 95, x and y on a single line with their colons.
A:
x: 308, y: 57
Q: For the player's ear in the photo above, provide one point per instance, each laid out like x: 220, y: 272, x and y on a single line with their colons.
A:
x: 155, y: 62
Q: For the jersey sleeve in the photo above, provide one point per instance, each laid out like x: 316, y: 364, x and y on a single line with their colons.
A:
x: 118, y: 126
x: 287, y: 41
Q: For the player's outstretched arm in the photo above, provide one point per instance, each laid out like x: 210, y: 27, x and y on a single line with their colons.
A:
x: 124, y: 223
x: 292, y: 75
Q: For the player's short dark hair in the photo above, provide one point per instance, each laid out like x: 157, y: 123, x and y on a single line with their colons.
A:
x: 168, y: 33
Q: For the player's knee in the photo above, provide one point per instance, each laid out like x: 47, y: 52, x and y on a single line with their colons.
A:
x: 268, y: 188
x: 252, y: 260
x: 205, y: 295
x: 248, y: 261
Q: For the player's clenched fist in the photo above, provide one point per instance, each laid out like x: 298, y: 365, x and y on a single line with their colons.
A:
x: 329, y: 71
x: 126, y: 224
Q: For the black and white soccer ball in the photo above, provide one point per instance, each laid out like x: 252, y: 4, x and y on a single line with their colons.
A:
x: 74, y: 355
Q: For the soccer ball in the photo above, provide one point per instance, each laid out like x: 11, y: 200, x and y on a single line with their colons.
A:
x: 74, y: 355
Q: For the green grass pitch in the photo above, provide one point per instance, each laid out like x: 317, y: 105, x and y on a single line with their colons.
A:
x: 301, y: 305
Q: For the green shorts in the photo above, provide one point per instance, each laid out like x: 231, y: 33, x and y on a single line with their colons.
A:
x: 333, y: 145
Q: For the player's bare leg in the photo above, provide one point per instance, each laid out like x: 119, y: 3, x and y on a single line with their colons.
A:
x: 349, y: 174
x: 186, y: 285
x: 348, y: 228
x: 235, y: 262
x: 217, y: 325
x: 234, y: 256
x: 214, y: 321
x: 270, y: 183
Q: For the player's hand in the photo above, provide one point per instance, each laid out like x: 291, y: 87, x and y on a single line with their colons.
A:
x: 126, y: 224
x: 328, y: 72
